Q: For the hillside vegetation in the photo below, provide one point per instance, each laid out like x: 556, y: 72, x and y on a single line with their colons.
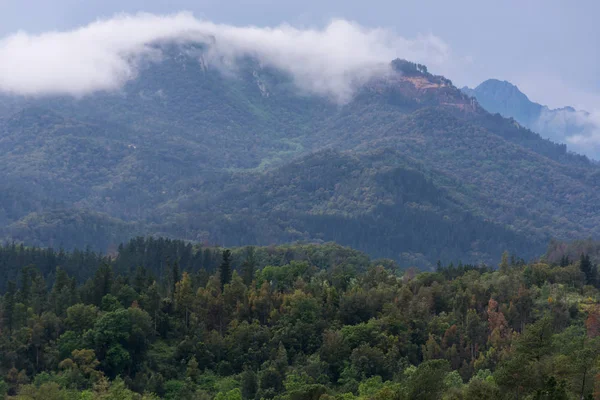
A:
x: 164, y: 319
x: 410, y: 169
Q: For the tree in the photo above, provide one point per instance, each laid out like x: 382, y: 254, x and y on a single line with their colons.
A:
x: 368, y: 361
x: 151, y: 303
x: 39, y: 293
x: 536, y: 340
x: 121, y: 338
x: 9, y: 307
x: 592, y: 322
x: 102, y: 283
x: 588, y: 269
x: 564, y: 261
x: 482, y: 389
x: 270, y: 382
x: 553, y: 390
x: 81, y: 317
x: 475, y: 330
x: 81, y: 368
x: 235, y: 298
x: 249, y: 266
x: 174, y: 278
x: 497, y: 324
x: 249, y: 384
x: 110, y: 303
x: 334, y: 351
x: 234, y: 394
x: 225, y: 272
x: 26, y: 282
x: 192, y: 371
x: 184, y: 297
x: 61, y: 295
x: 427, y: 381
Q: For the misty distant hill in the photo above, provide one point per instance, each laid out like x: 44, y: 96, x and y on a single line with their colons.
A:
x: 562, y: 125
x: 408, y: 168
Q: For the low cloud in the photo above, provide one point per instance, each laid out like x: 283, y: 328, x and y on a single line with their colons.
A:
x: 587, y: 139
x: 103, y: 55
x: 579, y: 130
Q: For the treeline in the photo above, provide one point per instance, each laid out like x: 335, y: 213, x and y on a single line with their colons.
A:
x: 14, y: 260
x: 156, y: 256
x: 298, y: 322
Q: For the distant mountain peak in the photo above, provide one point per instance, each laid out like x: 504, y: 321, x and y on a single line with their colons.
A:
x: 498, y: 83
x: 503, y: 90
x: 506, y: 99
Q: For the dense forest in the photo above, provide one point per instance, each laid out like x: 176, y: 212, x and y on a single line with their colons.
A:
x: 164, y: 319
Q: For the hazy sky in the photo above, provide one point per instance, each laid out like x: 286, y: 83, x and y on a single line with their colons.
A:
x: 549, y: 48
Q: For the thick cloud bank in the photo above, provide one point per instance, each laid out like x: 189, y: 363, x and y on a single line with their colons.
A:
x: 102, y: 55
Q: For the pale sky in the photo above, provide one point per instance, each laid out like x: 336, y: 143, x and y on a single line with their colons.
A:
x: 549, y: 48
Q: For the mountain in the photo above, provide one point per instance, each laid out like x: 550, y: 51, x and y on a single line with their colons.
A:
x: 411, y: 168
x: 506, y: 99
x: 561, y: 125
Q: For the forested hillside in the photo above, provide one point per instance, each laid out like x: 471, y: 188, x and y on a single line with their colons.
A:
x: 165, y: 319
x: 409, y: 168
x: 380, y: 202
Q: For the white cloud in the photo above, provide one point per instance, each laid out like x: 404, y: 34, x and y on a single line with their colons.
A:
x: 579, y: 130
x: 587, y: 140
x: 102, y: 55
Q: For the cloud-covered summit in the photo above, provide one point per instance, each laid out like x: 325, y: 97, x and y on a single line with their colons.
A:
x: 103, y: 55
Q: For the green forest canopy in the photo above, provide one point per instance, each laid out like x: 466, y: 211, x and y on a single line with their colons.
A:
x: 164, y: 319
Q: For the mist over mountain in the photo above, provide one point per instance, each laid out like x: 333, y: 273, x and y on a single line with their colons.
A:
x: 103, y: 56
x: 215, y: 139
x: 578, y: 129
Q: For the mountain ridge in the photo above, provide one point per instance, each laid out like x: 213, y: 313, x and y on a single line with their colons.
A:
x: 187, y: 152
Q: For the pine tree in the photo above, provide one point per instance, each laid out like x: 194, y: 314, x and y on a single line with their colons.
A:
x: 192, y: 371
x: 249, y: 266
x: 225, y: 269
x: 207, y: 260
x: 9, y: 307
x: 25, y: 291
x: 174, y: 277
x: 281, y: 361
x: 152, y: 304
x: 39, y: 293
x: 588, y: 269
x: 61, y: 291
x: 184, y: 297
x: 102, y: 282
